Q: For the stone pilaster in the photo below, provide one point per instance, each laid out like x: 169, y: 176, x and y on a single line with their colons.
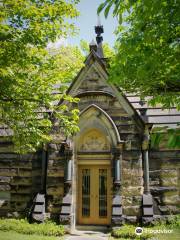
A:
x: 117, y: 199
x: 65, y: 214
x: 147, y: 197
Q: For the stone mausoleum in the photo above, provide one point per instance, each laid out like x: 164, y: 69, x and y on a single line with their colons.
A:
x: 107, y: 173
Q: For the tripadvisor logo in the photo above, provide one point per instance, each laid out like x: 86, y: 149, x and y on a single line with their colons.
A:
x: 138, y: 230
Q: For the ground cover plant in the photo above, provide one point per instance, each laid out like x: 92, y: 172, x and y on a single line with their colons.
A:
x: 169, y: 229
x: 20, y: 236
x: 22, y: 226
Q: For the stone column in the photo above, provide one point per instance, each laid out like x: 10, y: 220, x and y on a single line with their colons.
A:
x: 65, y: 214
x: 147, y: 197
x: 118, y: 170
x: 69, y: 171
x: 117, y: 199
x: 145, y: 155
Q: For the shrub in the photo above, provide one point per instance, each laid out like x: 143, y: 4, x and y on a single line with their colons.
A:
x: 174, y: 221
x: 22, y: 226
x: 128, y: 232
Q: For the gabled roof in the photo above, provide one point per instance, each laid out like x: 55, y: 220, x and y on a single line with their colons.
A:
x: 154, y: 115
x: 92, y: 58
x: 91, y: 55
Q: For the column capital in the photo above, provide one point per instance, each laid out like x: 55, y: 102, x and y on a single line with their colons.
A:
x: 146, y: 137
x: 119, y: 147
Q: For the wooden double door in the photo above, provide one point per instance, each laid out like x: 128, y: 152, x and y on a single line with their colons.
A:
x: 94, y: 194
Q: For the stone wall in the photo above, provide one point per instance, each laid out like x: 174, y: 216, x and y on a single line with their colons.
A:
x: 131, y: 162
x: 165, y: 180
x: 55, y: 177
x: 19, y: 179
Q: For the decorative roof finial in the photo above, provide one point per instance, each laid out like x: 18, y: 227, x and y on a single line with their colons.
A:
x: 93, y: 45
x: 98, y: 21
x: 99, y: 30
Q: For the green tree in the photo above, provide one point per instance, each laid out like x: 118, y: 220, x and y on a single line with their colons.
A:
x: 28, y: 71
x: 147, y: 54
x: 147, y: 49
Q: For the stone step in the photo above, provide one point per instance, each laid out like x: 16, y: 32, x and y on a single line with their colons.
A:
x: 94, y: 228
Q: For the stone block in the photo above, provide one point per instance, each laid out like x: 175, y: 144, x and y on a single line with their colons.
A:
x: 65, y: 210
x: 5, y: 163
x: 131, y: 155
x: 169, y: 209
x: 39, y: 198
x: 55, y: 210
x: 147, y: 220
x: 52, y: 146
x: 67, y: 199
x: 132, y: 210
x: 5, y: 187
x: 171, y: 199
x: 148, y: 211
x: 24, y: 172
x: 9, y: 156
x: 136, y: 200
x: 147, y: 200
x: 117, y: 221
x: 116, y: 211
x: 15, y: 197
x: 117, y: 200
x: 21, y: 189
x: 55, y: 155
x: 132, y: 191
x: 161, y: 190
x: 127, y: 201
x: 7, y: 172
x: 4, y: 195
x: 55, y: 181
x: 56, y: 163
x: 55, y: 191
x: 36, y: 171
x: 168, y: 173
x: 131, y: 219
x: 18, y: 163
x: 55, y: 172
x: 130, y: 173
x: 172, y: 181
x: 4, y: 203
x: 19, y: 206
x: 26, y: 181
x: 39, y: 208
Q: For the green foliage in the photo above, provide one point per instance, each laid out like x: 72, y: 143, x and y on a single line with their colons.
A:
x: 69, y: 60
x: 174, y: 222
x: 28, y: 71
x: 147, y: 49
x: 22, y: 226
x: 20, y: 236
x: 128, y: 232
x: 170, y: 137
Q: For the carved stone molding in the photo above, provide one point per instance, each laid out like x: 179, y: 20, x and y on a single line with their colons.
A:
x: 94, y: 141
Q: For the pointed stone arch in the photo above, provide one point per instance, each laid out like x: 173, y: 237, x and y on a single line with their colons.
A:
x: 94, y: 117
x: 94, y: 147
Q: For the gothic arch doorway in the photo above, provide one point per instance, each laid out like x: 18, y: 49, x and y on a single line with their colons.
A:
x: 92, y: 180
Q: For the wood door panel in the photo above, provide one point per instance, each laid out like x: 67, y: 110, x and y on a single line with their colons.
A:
x: 94, y: 194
